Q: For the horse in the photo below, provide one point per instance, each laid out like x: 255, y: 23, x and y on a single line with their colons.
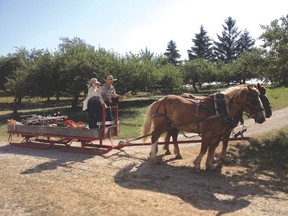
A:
x: 173, y: 111
x: 222, y: 157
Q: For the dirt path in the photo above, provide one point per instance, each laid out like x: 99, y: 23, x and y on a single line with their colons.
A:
x: 52, y: 182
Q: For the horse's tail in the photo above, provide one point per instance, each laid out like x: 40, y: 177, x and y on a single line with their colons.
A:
x: 147, y: 126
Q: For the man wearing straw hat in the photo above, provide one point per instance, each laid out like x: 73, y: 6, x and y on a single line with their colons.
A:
x: 109, y: 93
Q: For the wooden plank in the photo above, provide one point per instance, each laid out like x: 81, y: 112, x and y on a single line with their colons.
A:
x: 38, y: 130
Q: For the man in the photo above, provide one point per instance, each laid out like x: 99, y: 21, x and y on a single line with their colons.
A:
x: 109, y: 94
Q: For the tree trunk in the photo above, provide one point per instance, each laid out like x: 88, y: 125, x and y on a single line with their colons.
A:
x: 74, y: 102
x: 195, y: 88
x: 15, y: 110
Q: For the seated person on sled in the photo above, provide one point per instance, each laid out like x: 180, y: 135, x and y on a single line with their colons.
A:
x: 94, y: 102
x: 110, y: 96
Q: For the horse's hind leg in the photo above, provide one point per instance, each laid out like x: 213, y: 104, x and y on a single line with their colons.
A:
x: 154, y: 147
x: 176, y: 146
x: 166, y: 145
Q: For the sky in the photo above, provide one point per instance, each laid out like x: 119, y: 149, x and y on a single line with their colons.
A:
x: 126, y: 26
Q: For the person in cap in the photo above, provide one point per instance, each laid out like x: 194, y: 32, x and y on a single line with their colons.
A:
x: 93, y: 103
x: 109, y: 95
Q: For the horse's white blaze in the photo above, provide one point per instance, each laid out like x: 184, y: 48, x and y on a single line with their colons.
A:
x: 263, y: 110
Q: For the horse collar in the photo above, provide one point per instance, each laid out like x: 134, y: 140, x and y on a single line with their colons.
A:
x: 222, y: 108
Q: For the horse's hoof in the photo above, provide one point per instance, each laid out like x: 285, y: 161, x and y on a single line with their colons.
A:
x: 226, y: 159
x: 156, y: 161
x: 178, y: 157
x: 213, y: 169
x: 167, y: 152
x: 215, y: 160
x: 197, y: 168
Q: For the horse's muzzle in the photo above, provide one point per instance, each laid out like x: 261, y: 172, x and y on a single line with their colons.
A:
x: 260, y: 119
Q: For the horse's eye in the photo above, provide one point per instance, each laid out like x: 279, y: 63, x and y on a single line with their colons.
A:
x: 255, y: 100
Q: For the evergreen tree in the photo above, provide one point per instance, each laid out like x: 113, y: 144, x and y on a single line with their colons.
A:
x: 172, y: 53
x: 228, y: 47
x: 246, y: 42
x: 202, y: 46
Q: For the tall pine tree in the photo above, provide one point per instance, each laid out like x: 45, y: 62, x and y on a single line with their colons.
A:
x: 172, y: 53
x: 246, y: 42
x: 202, y: 46
x: 227, y: 48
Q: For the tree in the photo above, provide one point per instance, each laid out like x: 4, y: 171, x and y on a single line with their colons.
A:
x: 198, y: 71
x: 228, y: 47
x: 77, y: 60
x: 42, y: 77
x: 246, y: 42
x: 275, y: 38
x: 172, y: 53
x: 170, y: 79
x: 202, y: 46
x: 248, y: 65
x: 17, y: 80
x: 146, y: 54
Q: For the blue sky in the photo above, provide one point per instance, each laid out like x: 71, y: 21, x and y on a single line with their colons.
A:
x: 127, y: 25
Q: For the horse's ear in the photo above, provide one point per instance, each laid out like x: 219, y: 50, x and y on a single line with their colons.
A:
x: 258, y: 85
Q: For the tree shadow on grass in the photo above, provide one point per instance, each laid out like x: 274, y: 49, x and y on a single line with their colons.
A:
x: 263, y: 171
x: 57, y: 157
x: 265, y: 159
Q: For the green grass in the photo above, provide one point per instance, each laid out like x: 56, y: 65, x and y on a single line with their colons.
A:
x: 278, y: 97
x: 267, y: 152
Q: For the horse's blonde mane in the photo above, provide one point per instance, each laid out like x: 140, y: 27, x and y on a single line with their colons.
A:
x: 235, y: 91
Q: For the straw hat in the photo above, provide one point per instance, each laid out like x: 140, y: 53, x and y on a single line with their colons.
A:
x: 110, y: 77
x: 94, y: 80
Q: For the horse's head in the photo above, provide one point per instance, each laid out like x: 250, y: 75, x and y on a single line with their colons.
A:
x: 254, y: 107
x: 265, y: 101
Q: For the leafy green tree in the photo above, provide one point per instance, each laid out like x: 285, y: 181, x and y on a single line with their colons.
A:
x: 202, y: 46
x: 77, y: 60
x: 41, y: 77
x: 248, y: 65
x: 17, y: 80
x: 198, y: 71
x: 170, y: 79
x: 225, y: 72
x: 172, y: 53
x: 146, y: 55
x: 227, y: 49
x: 8, y: 65
x: 275, y: 38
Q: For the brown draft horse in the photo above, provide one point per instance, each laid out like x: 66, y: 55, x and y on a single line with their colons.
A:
x: 187, y: 115
x: 222, y: 157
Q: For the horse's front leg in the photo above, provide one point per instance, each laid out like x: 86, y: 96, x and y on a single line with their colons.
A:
x: 204, y: 146
x: 211, y: 152
x: 222, y: 157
